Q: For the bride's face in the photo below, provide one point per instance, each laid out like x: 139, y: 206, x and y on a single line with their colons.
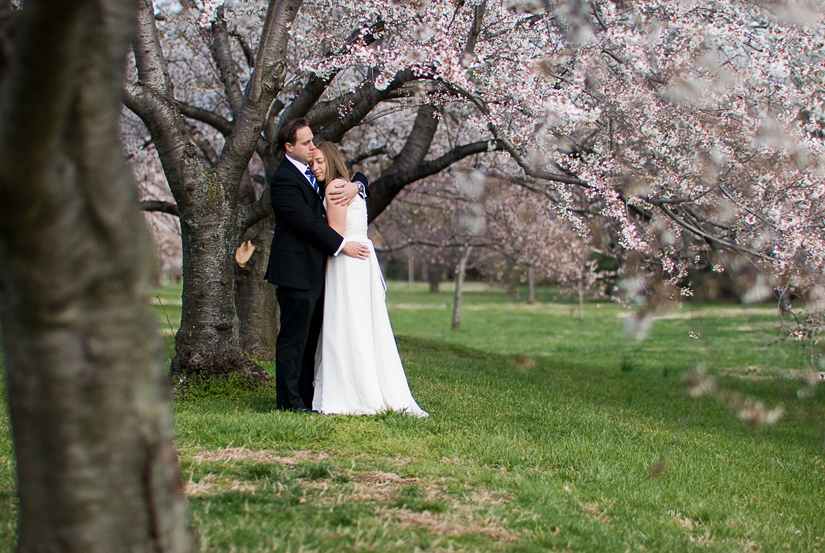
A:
x: 319, y: 165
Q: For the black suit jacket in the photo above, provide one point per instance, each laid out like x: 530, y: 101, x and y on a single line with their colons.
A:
x: 303, y: 240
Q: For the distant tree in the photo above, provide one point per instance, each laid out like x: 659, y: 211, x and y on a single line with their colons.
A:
x: 92, y: 428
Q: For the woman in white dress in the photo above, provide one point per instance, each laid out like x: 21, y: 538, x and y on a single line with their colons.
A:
x: 358, y: 369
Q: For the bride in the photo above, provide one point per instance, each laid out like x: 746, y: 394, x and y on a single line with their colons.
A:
x: 358, y: 369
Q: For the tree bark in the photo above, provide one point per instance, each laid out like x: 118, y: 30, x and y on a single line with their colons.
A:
x: 510, y: 279
x: 255, y: 299
x: 208, y: 343
x: 434, y: 274
x: 531, y: 285
x: 411, y: 269
x: 460, y: 272
x: 96, y: 468
x: 212, y: 218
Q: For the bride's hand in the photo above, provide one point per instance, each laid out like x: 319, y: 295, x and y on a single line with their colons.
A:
x: 342, y: 192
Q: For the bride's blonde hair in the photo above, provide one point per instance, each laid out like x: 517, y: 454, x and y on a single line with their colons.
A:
x: 336, y: 168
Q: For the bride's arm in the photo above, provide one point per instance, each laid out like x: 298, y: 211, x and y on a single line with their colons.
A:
x: 336, y: 214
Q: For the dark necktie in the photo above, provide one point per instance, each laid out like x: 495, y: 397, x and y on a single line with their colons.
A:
x: 313, y: 181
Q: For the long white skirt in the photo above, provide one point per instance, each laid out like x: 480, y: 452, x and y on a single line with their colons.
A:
x: 358, y: 369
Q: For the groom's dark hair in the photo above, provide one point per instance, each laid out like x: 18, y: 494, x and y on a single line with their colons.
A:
x: 289, y: 132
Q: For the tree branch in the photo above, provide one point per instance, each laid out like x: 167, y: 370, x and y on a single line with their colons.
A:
x: 227, y: 70
x: 257, y: 211
x: 149, y: 59
x: 220, y: 124
x: 511, y: 148
x: 366, y: 155
x: 418, y: 141
x: 158, y: 206
x: 388, y: 185
x: 475, y: 31
x: 431, y: 243
x: 372, y: 97
x: 263, y: 87
x: 248, y: 53
x: 307, y: 99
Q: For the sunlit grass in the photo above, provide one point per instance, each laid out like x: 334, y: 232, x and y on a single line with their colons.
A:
x: 545, y: 434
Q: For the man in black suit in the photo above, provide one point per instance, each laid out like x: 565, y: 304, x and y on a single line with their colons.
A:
x: 297, y: 261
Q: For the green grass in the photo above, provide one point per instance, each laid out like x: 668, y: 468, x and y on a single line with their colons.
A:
x: 545, y: 434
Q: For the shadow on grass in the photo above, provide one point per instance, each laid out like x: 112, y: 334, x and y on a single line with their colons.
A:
x: 655, y: 393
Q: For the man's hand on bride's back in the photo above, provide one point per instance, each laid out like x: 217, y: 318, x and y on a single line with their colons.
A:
x: 343, y: 192
x: 356, y: 250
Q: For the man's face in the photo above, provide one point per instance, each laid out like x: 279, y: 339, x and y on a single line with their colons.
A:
x: 303, y: 148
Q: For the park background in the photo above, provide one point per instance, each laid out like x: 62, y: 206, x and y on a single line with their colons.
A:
x: 625, y: 196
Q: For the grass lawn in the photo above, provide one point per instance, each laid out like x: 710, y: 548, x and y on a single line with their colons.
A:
x: 545, y: 434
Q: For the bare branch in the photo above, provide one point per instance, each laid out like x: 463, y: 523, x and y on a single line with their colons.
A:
x: 227, y: 70
x: 366, y: 155
x: 158, y: 206
x: 388, y: 185
x: 149, y: 58
x: 263, y: 87
x: 372, y: 97
x: 248, y: 52
x: 220, y: 124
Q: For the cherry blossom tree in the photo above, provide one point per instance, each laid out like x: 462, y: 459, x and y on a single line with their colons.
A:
x: 88, y: 398
x: 210, y: 119
x: 674, y: 119
x: 491, y: 221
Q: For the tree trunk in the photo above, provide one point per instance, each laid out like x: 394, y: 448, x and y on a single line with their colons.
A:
x: 460, y: 271
x: 88, y: 398
x: 510, y: 279
x: 411, y: 269
x: 212, y: 217
x: 208, y: 342
x: 255, y: 299
x: 531, y: 285
x: 434, y: 273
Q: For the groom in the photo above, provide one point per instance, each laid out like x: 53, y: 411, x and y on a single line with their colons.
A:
x: 297, y: 261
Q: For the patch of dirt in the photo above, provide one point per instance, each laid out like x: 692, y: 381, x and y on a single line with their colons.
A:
x: 258, y: 455
x: 206, y: 486
x: 465, y: 513
x: 449, y: 524
x: 707, y: 312
x: 594, y: 511
x: 756, y: 373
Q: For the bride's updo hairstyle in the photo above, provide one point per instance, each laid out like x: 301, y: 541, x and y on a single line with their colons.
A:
x: 336, y: 168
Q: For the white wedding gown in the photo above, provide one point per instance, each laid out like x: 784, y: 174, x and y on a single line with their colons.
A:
x: 358, y: 369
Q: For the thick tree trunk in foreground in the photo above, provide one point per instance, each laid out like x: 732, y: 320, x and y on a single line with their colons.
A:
x: 96, y: 468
